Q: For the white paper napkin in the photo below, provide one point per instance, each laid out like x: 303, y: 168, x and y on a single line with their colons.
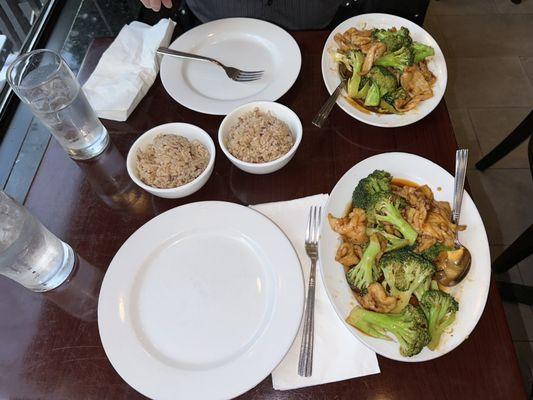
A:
x: 127, y: 69
x: 337, y: 354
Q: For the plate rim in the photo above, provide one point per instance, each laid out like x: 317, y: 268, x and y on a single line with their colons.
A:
x: 353, y: 112
x: 397, y: 356
x: 295, y: 289
x: 297, y: 62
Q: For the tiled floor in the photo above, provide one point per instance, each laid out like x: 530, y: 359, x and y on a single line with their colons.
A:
x: 488, y: 46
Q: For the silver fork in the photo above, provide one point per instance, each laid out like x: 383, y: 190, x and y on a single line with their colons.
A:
x: 233, y: 73
x: 305, y: 364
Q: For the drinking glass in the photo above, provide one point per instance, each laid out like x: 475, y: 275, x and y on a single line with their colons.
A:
x: 29, y: 253
x: 43, y: 81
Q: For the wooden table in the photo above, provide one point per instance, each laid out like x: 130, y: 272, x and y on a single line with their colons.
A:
x: 49, y: 344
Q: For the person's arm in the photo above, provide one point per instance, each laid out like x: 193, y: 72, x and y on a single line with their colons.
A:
x: 156, y: 4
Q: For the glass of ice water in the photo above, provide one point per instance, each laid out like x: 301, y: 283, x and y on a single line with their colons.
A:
x: 29, y: 253
x: 43, y: 81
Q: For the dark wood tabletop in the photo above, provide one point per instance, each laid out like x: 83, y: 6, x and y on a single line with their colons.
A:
x: 49, y: 343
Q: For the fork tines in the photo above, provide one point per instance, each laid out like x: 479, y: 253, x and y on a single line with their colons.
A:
x: 246, y: 76
x: 313, y: 225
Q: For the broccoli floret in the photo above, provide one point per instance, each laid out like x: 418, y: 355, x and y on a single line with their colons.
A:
x: 393, y: 39
x: 433, y: 252
x: 364, y: 87
x: 342, y: 58
x: 393, y: 242
x: 373, y: 96
x: 386, y: 108
x: 421, y: 51
x: 404, y: 271
x: 384, y: 79
x: 422, y: 288
x: 356, y: 60
x: 377, y: 181
x: 398, y: 93
x: 385, y: 207
x: 366, y: 271
x: 409, y: 327
x: 398, y: 59
x: 440, y: 309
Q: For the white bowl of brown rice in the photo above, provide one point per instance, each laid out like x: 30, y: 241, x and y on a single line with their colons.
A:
x: 260, y: 137
x: 172, y: 160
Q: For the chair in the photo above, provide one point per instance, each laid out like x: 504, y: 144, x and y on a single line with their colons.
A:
x: 523, y: 246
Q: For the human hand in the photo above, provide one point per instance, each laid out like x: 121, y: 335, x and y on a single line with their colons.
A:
x: 156, y: 4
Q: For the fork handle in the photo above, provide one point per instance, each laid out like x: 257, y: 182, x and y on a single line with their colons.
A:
x: 461, y: 161
x: 323, y: 113
x: 181, y: 54
x: 305, y: 363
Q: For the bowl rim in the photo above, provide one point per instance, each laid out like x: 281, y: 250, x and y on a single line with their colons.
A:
x: 258, y: 104
x: 130, y: 159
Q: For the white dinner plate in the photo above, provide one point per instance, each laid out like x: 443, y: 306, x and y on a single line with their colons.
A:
x: 436, y: 64
x: 471, y: 293
x: 245, y: 43
x: 201, y: 302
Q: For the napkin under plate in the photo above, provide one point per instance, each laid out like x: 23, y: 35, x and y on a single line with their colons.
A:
x: 338, y: 355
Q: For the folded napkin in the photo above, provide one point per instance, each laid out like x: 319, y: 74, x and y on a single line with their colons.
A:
x: 337, y: 354
x: 127, y: 69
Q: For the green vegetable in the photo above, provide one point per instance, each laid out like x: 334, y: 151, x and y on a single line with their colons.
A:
x: 386, y: 108
x: 409, y: 327
x: 364, y: 86
x: 398, y: 59
x: 383, y: 78
x: 440, y: 309
x: 377, y: 181
x: 393, y: 39
x: 393, y: 242
x: 385, y: 207
x: 356, y: 59
x: 404, y: 271
x: 433, y: 252
x: 398, y: 93
x: 422, y: 288
x: 373, y: 96
x: 366, y: 271
x: 343, y: 59
x: 421, y: 51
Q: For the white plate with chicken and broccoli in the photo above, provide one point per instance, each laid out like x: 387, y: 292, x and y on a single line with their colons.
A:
x: 386, y: 248
x: 394, y: 72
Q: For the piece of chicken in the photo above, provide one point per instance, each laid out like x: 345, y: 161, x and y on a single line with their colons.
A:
x: 347, y: 254
x: 357, y: 37
x: 413, y: 81
x: 375, y: 51
x: 376, y: 299
x: 428, y: 75
x: 352, y: 227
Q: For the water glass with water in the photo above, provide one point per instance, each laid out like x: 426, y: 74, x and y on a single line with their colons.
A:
x: 43, y: 80
x: 29, y: 253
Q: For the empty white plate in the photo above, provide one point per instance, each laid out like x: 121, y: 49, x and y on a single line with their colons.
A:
x: 244, y: 43
x: 202, y: 302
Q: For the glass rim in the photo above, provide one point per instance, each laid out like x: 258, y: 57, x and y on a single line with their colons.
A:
x: 25, y: 56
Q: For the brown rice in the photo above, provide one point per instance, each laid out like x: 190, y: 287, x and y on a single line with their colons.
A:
x: 259, y: 137
x: 171, y: 161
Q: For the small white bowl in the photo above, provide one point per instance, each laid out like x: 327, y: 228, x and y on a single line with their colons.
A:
x: 281, y: 112
x: 188, y: 131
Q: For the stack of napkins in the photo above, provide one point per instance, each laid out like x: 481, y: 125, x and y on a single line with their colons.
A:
x: 127, y: 69
x: 337, y: 354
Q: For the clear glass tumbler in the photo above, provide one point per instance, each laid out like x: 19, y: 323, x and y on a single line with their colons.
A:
x: 43, y: 81
x: 29, y: 253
